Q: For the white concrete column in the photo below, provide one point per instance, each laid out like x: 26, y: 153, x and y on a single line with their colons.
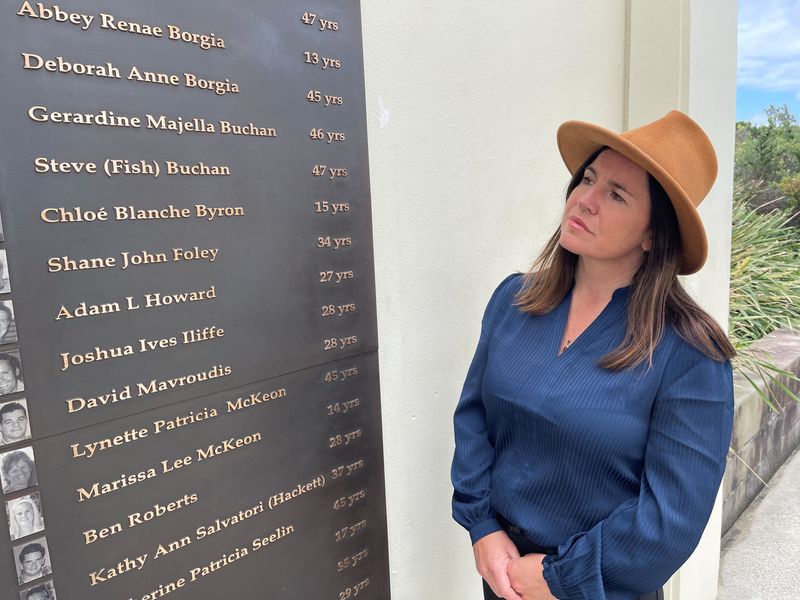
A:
x: 463, y: 101
x: 658, y: 52
x: 682, y: 54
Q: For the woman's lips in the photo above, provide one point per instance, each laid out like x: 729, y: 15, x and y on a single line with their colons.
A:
x: 578, y: 224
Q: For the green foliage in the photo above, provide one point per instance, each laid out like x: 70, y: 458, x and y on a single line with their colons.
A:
x: 770, y: 154
x: 790, y: 186
x: 763, y: 375
x: 764, y: 288
x: 765, y: 269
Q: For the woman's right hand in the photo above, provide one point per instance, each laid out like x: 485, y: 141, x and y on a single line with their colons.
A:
x: 492, y: 555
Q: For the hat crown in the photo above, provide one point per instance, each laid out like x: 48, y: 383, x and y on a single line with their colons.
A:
x: 682, y: 149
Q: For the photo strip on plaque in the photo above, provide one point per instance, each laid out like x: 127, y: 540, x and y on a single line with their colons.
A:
x: 5, y: 281
x: 18, y: 470
x: 8, y: 325
x: 32, y: 560
x: 14, y: 424
x: 10, y: 373
x: 43, y: 591
x: 24, y: 516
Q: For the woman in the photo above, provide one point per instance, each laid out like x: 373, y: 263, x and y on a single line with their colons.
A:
x: 594, y: 422
x: 24, y: 518
x: 19, y: 472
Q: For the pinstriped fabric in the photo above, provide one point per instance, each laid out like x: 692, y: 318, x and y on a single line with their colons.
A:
x: 619, y: 470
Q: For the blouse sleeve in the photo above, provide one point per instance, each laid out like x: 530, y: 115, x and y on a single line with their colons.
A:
x: 647, y: 538
x: 472, y: 460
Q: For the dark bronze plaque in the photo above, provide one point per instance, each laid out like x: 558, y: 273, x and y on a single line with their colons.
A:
x: 188, y: 285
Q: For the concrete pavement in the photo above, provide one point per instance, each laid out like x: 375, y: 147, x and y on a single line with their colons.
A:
x: 761, y: 553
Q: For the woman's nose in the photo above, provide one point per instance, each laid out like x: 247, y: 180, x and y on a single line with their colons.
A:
x: 588, y: 200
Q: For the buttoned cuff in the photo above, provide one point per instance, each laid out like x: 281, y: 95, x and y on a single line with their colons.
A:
x: 483, y: 529
x: 551, y: 577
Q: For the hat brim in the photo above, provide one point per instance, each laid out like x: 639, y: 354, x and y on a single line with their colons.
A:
x: 577, y: 140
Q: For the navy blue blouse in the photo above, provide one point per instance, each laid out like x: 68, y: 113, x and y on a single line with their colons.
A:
x: 618, y: 470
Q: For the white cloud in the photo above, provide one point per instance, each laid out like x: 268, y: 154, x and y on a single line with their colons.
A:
x: 769, y: 45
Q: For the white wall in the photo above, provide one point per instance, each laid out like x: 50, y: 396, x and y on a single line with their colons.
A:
x: 711, y: 100
x: 683, y: 55
x: 464, y: 99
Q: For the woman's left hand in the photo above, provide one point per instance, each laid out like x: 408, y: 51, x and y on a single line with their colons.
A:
x: 526, y: 578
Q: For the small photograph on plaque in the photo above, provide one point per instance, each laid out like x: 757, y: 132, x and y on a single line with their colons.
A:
x: 10, y: 373
x: 18, y: 470
x: 14, y: 426
x: 25, y: 516
x: 43, y: 591
x: 5, y: 282
x: 32, y: 560
x: 8, y: 326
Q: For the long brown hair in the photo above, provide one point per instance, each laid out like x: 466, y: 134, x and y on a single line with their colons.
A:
x: 657, y: 298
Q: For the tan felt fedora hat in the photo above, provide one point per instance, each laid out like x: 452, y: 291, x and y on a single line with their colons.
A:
x: 674, y: 150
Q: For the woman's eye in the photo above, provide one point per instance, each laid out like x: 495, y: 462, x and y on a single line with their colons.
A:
x: 617, y: 197
x: 586, y: 179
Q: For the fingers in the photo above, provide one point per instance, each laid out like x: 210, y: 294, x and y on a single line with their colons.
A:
x: 493, y: 553
x: 526, y: 577
x: 505, y: 593
x: 501, y: 585
x: 510, y: 594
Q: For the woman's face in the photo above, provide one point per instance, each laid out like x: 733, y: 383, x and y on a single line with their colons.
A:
x: 23, y: 513
x: 19, y: 473
x: 14, y: 425
x: 8, y: 377
x: 607, y: 216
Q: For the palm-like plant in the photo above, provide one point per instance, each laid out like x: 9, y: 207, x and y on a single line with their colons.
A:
x: 765, y: 286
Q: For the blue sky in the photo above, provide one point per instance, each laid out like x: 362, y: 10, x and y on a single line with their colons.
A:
x: 768, y: 69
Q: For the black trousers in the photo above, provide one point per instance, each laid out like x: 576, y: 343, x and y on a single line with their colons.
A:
x: 525, y: 546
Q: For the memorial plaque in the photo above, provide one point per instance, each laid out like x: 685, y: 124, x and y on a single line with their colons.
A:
x: 188, y: 347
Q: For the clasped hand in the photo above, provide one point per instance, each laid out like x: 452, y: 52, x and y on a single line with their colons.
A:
x: 510, y: 575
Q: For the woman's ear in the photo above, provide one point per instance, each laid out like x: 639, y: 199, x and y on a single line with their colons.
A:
x: 647, y: 244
